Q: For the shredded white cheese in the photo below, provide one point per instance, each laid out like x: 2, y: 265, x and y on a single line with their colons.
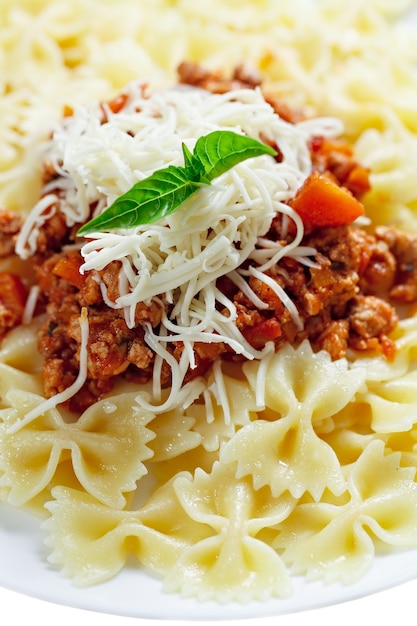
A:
x: 179, y: 259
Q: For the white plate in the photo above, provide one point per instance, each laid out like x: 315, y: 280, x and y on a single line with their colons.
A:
x: 134, y: 593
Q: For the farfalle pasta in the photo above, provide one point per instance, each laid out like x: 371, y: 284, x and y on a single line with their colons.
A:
x: 91, y: 541
x: 335, y: 541
x: 200, y: 532
x: 224, y: 396
x: 114, y: 429
x: 393, y: 404
x: 299, y: 388
x: 232, y: 562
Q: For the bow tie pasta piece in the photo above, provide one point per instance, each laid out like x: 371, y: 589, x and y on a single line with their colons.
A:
x: 284, y: 455
x: 20, y: 362
x: 12, y: 378
x: 174, y: 435
x: 349, y: 443
x: 336, y: 541
x: 283, y: 450
x: 404, y: 442
x: 163, y: 471
x: 232, y: 564
x: 87, y: 538
x: 298, y: 378
x: 107, y: 448
x: 19, y: 348
x: 350, y: 432
x: 392, y: 403
x: 237, y: 568
x: 90, y: 541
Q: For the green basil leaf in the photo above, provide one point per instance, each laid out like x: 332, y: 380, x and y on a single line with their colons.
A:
x: 159, y: 195
x: 146, y: 202
x: 222, y: 149
x: 194, y: 168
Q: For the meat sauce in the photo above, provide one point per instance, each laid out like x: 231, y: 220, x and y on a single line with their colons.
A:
x: 347, y: 301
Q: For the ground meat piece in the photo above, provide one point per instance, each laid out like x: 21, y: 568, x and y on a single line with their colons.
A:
x: 54, y: 289
x: 193, y: 74
x: 247, y: 76
x: 8, y: 320
x: 333, y: 338
x: 53, y: 233
x: 205, y: 355
x: 151, y: 313
x: 215, y: 81
x: 91, y: 391
x: 291, y: 276
x: 281, y: 108
x: 336, y: 157
x: 267, y: 295
x: 335, y: 278
x: 341, y: 300
x: 13, y: 296
x: 139, y: 354
x: 256, y: 326
x: 110, y: 277
x: 371, y: 320
x: 90, y: 292
x: 268, y: 329
x: 241, y: 78
x: 57, y: 376
x: 10, y: 225
x: 108, y: 343
x: 49, y: 171
x: 403, y: 247
x: 378, y: 266
x: 341, y: 245
x: 209, y: 351
x: 247, y: 316
x: 53, y: 338
x: 327, y: 287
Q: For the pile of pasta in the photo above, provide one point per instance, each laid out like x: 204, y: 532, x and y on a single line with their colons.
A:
x: 296, y: 466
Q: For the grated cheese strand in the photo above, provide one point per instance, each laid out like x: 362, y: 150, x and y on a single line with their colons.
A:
x: 27, y: 239
x: 30, y: 304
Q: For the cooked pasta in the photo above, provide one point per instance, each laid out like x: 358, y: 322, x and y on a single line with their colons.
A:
x: 265, y: 464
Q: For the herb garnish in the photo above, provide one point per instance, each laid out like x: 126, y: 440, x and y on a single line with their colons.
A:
x: 165, y: 190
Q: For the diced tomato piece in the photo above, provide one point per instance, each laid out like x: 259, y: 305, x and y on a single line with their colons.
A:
x: 267, y: 330
x: 322, y: 202
x: 117, y: 104
x: 68, y: 268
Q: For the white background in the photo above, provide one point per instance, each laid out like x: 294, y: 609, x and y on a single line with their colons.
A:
x: 385, y: 607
